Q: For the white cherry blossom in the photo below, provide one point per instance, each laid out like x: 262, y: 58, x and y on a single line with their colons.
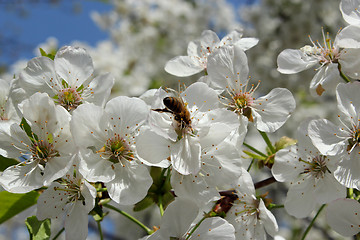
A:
x: 106, y: 138
x: 199, y: 50
x: 310, y: 174
x: 249, y: 215
x: 342, y: 140
x: 72, y: 199
x: 331, y: 57
x: 68, y: 78
x: 47, y: 152
x: 228, y: 72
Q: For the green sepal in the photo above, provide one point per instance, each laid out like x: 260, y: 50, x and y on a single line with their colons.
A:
x: 97, y: 212
x: 49, y: 55
x: 161, y: 187
x: 143, y: 204
x: 38, y: 230
x: 253, y: 155
x: 26, y: 127
x: 14, y: 203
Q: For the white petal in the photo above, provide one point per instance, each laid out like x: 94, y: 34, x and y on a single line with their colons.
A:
x: 178, y: 216
x: 185, y: 155
x: 343, y: 215
x: 287, y: 166
x: 214, y: 228
x: 347, y: 172
x: 348, y: 99
x: 349, y: 11
x: 94, y: 168
x: 76, y: 222
x: 247, y: 43
x: 304, y: 142
x: 328, y: 77
x: 74, y: 65
x: 88, y: 126
x: 99, y: 89
x: 348, y: 37
x: 39, y: 75
x: 126, y: 114
x: 151, y: 147
x: 228, y: 67
x: 350, y: 63
x: 21, y: 179
x: 217, y: 125
x: 244, y: 185
x: 268, y: 219
x: 209, y: 38
x: 300, y: 199
x: 327, y: 137
x: 15, y: 143
x: 272, y: 110
x: 221, y: 164
x: 193, y: 188
x: 183, y: 66
x: 40, y: 112
x: 328, y: 189
x: 293, y: 61
x: 130, y: 184
x: 200, y: 97
x: 56, y: 167
x: 51, y: 202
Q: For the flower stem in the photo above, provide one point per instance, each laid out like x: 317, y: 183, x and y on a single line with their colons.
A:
x: 140, y: 224
x: 58, y: 234
x: 196, y: 226
x: 343, y: 76
x: 312, y: 222
x: 272, y: 206
x: 254, y: 150
x: 100, y: 230
x: 161, y: 207
x: 267, y: 140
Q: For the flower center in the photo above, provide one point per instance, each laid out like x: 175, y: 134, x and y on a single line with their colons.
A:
x: 249, y: 209
x: 69, y: 98
x: 355, y: 140
x: 328, y: 53
x: 317, y: 167
x: 42, y: 151
x: 241, y: 103
x: 116, y: 149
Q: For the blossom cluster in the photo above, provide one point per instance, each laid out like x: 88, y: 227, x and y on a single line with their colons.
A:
x: 80, y: 149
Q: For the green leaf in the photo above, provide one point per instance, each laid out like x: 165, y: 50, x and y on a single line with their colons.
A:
x: 14, y: 203
x: 38, y: 230
x: 6, y: 162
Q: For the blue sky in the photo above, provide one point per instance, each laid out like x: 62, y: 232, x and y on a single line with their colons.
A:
x: 43, y: 20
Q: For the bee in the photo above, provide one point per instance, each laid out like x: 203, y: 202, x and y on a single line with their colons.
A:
x: 177, y: 107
